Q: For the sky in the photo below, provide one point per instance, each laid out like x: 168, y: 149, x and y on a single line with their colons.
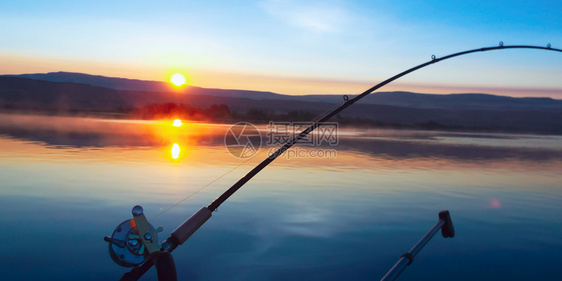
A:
x: 291, y: 47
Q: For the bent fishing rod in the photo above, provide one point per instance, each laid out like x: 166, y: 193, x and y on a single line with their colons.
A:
x: 134, y: 243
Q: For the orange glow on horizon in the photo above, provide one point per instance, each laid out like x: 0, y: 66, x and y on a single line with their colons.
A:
x: 290, y: 85
x: 278, y: 82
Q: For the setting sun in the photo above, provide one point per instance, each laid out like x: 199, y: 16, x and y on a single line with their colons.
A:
x: 177, y: 79
x: 177, y: 123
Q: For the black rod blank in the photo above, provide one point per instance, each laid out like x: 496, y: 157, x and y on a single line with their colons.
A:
x: 217, y: 202
x: 171, y: 243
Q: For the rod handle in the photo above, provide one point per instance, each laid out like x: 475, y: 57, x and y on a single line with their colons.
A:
x: 188, y: 227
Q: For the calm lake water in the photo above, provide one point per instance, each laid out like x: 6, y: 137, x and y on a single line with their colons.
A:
x: 68, y: 182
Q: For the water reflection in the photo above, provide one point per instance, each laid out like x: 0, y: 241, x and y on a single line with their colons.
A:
x: 175, y: 151
x: 66, y: 183
x: 387, y: 144
x: 177, y: 123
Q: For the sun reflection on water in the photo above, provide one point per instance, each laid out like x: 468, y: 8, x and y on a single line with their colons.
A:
x: 176, y: 151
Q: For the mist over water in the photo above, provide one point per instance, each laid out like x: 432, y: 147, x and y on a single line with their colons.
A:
x: 67, y: 182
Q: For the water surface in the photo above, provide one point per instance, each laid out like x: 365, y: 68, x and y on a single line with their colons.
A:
x: 68, y: 182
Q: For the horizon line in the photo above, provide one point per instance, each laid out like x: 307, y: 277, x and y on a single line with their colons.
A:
x: 338, y: 86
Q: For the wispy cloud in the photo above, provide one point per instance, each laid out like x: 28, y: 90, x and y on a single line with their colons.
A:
x: 316, y: 16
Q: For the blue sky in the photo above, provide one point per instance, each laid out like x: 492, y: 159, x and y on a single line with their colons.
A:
x: 290, y: 47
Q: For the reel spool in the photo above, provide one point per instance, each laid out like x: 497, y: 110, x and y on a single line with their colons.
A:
x: 127, y: 247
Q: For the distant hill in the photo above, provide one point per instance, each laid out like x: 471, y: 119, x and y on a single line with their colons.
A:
x: 142, y: 85
x: 31, y: 94
x: 469, y: 101
x: 65, y: 92
x: 473, y: 101
x: 98, y: 80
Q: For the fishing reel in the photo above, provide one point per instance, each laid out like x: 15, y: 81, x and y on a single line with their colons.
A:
x: 134, y: 241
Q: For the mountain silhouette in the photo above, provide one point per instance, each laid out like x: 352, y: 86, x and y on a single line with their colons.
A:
x: 64, y: 91
x: 468, y: 101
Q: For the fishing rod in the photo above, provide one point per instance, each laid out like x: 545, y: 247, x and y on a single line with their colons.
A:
x: 134, y: 243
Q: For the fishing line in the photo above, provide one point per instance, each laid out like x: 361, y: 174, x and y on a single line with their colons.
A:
x: 208, y: 184
x: 348, y: 102
x: 188, y: 227
x: 229, y: 171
